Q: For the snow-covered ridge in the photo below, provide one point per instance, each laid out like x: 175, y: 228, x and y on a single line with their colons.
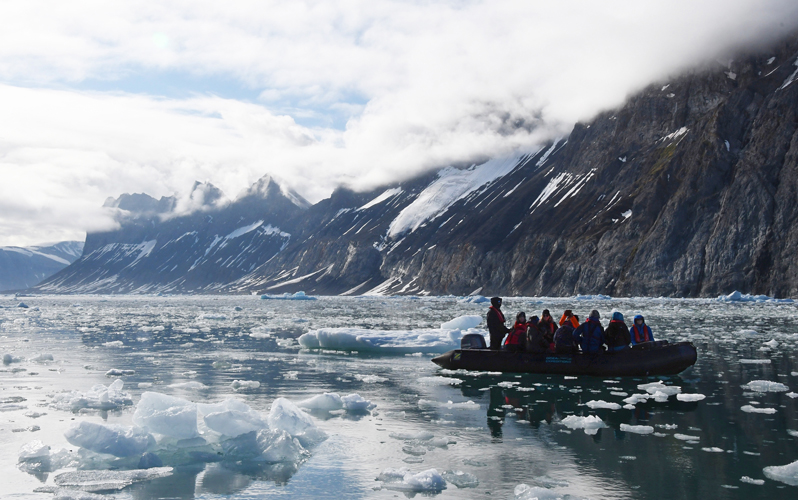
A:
x: 389, y: 193
x: 451, y: 185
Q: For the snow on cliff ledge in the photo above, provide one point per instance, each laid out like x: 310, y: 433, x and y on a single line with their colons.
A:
x: 452, y: 185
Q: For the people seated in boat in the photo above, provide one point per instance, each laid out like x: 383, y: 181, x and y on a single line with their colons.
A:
x: 570, y: 317
x: 590, y: 334
x: 617, y: 333
x: 564, y: 340
x: 496, y: 325
x: 516, y: 340
x: 548, y: 327
x: 640, y: 331
x: 536, y: 340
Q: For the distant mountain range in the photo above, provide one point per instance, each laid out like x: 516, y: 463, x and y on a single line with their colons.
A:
x: 24, y: 267
x: 689, y: 189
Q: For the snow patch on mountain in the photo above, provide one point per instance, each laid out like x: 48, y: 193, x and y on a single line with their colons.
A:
x: 390, y: 193
x: 452, y: 184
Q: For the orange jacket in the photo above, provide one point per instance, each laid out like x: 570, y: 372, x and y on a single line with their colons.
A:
x: 571, y: 319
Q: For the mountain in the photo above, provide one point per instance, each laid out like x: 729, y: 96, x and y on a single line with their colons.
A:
x: 688, y: 189
x: 24, y: 267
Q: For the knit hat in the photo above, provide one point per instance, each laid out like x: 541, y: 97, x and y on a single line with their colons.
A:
x: 594, y: 314
x: 617, y: 316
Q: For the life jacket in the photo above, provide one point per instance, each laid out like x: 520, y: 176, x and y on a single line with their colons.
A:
x: 572, y: 320
x: 639, y: 336
x: 501, y: 316
x: 514, y: 338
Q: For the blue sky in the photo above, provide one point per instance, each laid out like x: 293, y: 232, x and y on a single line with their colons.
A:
x: 101, y: 98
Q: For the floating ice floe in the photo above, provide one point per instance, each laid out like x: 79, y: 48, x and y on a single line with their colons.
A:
x: 114, y: 440
x: 593, y: 297
x: 114, y: 343
x: 412, y: 436
x: 754, y: 409
x: 526, y: 492
x: 42, y: 358
x: 465, y: 405
x: 473, y: 299
x: 167, y: 415
x: 744, y: 297
x: 190, y: 385
x: 440, y: 381
x: 602, y: 404
x: 104, y: 480
x: 330, y: 401
x: 403, y: 480
x: 370, y: 379
x: 288, y: 296
x: 99, y: 397
x: 637, y: 429
x: 713, y: 449
x: 686, y: 437
x: 637, y: 398
x: 10, y: 358
x: 765, y: 386
x: 690, y: 397
x: 787, y: 474
x: 746, y: 479
x: 659, y: 387
x: 462, y: 323
x: 116, y: 372
x: 239, y: 385
x: 392, y: 341
x: 590, y: 424
x: 460, y: 479
x: 755, y: 361
x: 36, y: 457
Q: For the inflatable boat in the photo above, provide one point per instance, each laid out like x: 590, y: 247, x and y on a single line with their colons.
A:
x: 647, y: 359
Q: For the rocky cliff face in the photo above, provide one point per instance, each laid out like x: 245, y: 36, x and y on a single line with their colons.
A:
x: 689, y: 189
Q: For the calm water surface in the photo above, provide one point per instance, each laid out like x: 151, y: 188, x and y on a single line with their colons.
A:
x: 512, y: 435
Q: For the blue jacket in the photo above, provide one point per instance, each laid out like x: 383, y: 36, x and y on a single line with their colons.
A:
x: 590, y: 336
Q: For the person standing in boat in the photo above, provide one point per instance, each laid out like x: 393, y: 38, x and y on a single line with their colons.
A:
x: 590, y: 334
x: 496, y: 325
x: 516, y: 341
x: 617, y: 333
x: 640, y: 331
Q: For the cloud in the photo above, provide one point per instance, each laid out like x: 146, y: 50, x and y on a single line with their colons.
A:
x: 351, y: 92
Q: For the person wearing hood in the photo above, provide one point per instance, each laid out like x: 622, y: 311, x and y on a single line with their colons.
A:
x: 590, y: 334
x: 569, y: 317
x: 640, y: 331
x: 617, y: 333
x: 536, y: 340
x: 496, y: 325
x: 516, y: 341
x: 548, y: 327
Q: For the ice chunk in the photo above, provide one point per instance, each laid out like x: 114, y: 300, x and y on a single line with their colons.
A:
x: 785, y: 473
x: 765, y: 386
x: 465, y: 405
x: 235, y: 422
x: 99, y: 397
x: 10, y: 358
x: 636, y: 398
x: 439, y: 381
x: 370, y: 379
x: 101, y: 480
x: 238, y: 385
x: 746, y: 479
x: 713, y: 449
x: 792, y: 433
x: 355, y: 403
x: 637, y: 429
x: 412, y: 436
x: 114, y: 440
x: 460, y: 479
x: 329, y: 401
x: 474, y: 299
x: 34, y: 449
x: 387, y: 341
x: 116, y: 372
x: 591, y: 424
x: 150, y: 461
x: 167, y: 415
x: 685, y: 437
x: 285, y: 415
x: 462, y: 323
x: 755, y: 361
x: 653, y: 388
x: 660, y: 397
x: 754, y: 409
x: 744, y: 297
x: 288, y: 296
x: 690, y: 397
x: 404, y: 480
x: 42, y: 358
x: 70, y: 494
x: 526, y: 492
x: 114, y: 343
x: 602, y: 404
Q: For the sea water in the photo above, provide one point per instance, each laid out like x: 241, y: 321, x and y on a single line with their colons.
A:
x: 240, y: 397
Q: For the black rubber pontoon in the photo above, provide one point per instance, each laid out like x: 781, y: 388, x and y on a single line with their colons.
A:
x: 642, y: 360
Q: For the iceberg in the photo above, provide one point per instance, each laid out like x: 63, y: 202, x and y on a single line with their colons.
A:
x: 403, y: 480
x: 765, y: 386
x: 736, y: 296
x: 114, y: 440
x: 590, y: 424
x: 285, y: 415
x: 166, y: 415
x: 233, y: 423
x: 462, y: 323
x: 787, y: 474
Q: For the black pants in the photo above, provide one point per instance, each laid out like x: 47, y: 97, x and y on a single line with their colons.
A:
x: 496, y: 341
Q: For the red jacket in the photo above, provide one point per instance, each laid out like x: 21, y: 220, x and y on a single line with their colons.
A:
x: 516, y: 334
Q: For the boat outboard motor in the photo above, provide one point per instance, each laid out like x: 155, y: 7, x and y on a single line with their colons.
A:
x: 473, y: 341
